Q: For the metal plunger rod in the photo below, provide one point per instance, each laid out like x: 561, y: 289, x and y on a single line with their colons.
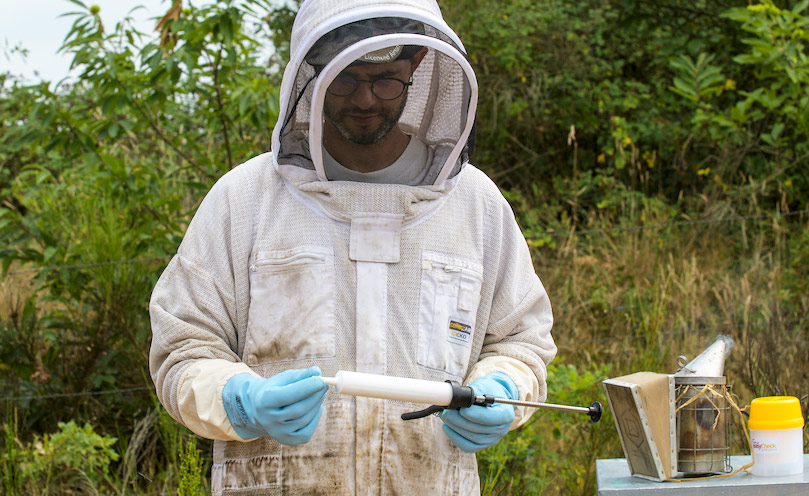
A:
x: 533, y: 404
x: 594, y: 411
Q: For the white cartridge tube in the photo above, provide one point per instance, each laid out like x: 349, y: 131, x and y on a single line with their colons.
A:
x: 392, y: 388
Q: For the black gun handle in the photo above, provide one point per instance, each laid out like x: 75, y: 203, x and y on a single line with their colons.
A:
x: 422, y: 413
x: 462, y: 396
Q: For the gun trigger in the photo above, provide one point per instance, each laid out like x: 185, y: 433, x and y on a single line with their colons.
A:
x: 422, y: 413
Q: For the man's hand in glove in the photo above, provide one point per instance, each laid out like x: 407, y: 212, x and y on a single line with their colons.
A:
x: 286, y: 406
x: 477, y: 427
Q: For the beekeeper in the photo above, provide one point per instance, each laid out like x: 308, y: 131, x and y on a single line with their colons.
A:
x: 365, y: 241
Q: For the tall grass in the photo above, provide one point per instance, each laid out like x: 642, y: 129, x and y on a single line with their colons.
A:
x: 630, y: 300
x: 638, y: 299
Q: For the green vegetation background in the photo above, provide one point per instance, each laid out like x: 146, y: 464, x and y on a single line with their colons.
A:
x: 655, y: 153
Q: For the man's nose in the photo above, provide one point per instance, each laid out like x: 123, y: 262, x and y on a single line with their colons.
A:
x: 363, y: 97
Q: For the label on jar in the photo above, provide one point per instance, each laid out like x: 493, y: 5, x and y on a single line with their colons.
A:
x: 765, y: 446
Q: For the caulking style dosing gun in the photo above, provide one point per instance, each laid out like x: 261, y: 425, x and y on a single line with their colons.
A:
x: 441, y: 395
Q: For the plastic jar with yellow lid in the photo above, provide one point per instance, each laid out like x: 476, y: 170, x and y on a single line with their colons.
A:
x: 776, y: 432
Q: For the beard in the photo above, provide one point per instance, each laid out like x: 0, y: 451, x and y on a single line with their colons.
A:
x: 390, y: 118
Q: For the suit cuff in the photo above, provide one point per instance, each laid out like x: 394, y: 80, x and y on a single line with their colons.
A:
x: 525, y: 380
x: 200, y: 397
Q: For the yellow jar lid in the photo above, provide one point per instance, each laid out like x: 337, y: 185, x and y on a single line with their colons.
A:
x: 775, y: 412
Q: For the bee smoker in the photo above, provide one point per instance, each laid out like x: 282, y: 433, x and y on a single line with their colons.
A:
x: 702, y: 411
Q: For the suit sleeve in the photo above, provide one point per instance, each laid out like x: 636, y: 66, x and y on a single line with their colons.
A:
x: 194, y: 317
x: 518, y: 340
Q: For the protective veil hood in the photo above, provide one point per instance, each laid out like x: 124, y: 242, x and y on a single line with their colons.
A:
x: 441, y: 101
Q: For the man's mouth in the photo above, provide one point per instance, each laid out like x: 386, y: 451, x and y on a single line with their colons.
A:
x: 362, y: 119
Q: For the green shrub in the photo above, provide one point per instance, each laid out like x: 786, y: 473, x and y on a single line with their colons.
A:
x: 190, y: 482
x: 553, y: 449
x: 100, y: 177
x: 11, y: 477
x: 74, y: 458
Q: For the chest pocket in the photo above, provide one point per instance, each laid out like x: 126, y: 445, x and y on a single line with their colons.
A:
x: 291, y: 314
x: 449, y: 298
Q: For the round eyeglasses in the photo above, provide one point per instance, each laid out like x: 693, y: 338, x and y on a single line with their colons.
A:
x: 382, y: 88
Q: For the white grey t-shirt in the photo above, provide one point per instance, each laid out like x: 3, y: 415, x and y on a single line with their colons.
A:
x: 410, y: 168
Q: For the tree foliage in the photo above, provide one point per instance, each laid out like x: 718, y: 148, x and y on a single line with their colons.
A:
x: 99, y: 176
x: 585, y: 103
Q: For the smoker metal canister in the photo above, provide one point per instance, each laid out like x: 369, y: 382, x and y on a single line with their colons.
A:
x: 702, y: 424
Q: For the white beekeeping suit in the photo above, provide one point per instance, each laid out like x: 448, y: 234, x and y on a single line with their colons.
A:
x: 283, y: 268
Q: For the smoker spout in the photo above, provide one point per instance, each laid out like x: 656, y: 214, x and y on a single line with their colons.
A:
x: 711, y: 362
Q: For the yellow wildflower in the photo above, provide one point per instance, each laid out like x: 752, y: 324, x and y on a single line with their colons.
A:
x: 704, y: 172
x: 650, y: 158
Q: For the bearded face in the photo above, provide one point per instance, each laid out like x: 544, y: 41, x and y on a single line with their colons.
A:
x: 361, y: 117
x: 365, y: 126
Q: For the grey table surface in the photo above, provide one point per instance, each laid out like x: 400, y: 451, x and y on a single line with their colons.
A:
x: 614, y: 479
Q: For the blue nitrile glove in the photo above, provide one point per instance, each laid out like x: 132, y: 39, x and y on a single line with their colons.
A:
x: 287, y: 406
x: 475, y: 428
